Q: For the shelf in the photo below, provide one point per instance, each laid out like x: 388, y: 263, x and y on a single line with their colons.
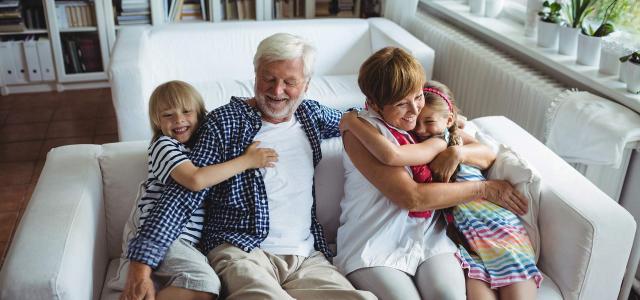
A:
x: 78, y: 29
x: 509, y: 34
x: 26, y: 32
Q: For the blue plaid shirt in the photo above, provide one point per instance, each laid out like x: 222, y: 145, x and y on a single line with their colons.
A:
x: 237, y: 210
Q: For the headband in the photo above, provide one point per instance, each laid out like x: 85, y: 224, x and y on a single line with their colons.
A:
x: 441, y: 94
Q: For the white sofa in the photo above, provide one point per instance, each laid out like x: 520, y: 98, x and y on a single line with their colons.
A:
x: 217, y: 58
x: 68, y: 241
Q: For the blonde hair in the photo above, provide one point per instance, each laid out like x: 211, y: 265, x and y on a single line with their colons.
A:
x: 436, y: 103
x: 389, y: 75
x: 173, y: 94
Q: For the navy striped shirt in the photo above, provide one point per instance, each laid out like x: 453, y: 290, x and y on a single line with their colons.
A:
x: 164, y: 155
x: 237, y: 209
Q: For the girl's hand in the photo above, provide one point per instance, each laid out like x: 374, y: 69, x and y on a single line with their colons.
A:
x: 347, y: 119
x: 445, y: 164
x: 502, y: 193
x: 260, y: 157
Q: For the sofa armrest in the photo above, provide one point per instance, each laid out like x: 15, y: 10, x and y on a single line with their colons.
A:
x: 386, y: 33
x: 586, y: 237
x: 59, y: 247
x: 130, y: 77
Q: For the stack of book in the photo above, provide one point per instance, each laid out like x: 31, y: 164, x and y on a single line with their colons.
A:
x: 11, y: 16
x: 82, y: 54
x: 240, y: 9
x: 133, y: 12
x: 323, y: 8
x: 33, y: 15
x: 286, y: 9
x: 75, y: 14
x: 186, y: 10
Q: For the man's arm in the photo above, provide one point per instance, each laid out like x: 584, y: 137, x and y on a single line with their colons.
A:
x: 329, y: 120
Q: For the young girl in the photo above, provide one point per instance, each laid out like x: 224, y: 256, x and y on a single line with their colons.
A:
x: 175, y: 110
x: 495, y: 249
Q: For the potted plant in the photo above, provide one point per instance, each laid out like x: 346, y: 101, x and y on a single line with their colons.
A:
x: 589, y: 41
x: 548, y: 27
x: 631, y: 68
x: 573, y: 13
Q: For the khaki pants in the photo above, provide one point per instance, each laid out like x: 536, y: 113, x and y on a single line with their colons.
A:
x: 260, y: 275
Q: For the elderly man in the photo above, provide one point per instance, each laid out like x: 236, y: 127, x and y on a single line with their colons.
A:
x: 261, y: 234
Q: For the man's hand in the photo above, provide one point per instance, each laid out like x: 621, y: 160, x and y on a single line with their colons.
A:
x: 139, y: 285
x: 445, y: 164
x: 347, y: 119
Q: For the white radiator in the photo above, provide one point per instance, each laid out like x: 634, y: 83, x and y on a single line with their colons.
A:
x: 485, y: 81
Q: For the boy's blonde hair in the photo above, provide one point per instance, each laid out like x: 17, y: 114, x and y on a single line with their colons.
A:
x: 389, y: 75
x: 174, y: 94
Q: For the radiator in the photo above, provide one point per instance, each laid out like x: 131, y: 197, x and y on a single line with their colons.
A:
x: 485, y: 81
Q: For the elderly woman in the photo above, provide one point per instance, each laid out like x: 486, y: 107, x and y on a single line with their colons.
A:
x: 382, y: 247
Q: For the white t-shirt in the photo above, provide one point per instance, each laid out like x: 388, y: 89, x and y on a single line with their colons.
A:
x: 289, y: 188
x: 375, y: 232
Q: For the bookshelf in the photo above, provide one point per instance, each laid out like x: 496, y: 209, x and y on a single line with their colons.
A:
x: 78, y: 40
x: 25, y: 49
x: 50, y: 45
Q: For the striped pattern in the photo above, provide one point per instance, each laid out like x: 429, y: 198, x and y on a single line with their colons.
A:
x: 237, y: 209
x: 163, y: 156
x: 500, y: 252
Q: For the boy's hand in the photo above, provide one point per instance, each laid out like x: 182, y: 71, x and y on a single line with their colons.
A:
x: 139, y: 285
x: 347, y: 119
x: 260, y: 157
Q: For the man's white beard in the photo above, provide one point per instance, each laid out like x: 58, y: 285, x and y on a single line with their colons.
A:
x: 287, y: 112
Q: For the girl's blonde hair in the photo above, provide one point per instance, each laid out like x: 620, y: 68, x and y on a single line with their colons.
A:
x: 435, y: 100
x: 174, y: 94
x: 389, y: 75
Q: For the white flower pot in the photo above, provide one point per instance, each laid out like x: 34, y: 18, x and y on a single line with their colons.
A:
x: 568, y: 44
x: 477, y: 7
x: 548, y: 34
x: 609, y: 62
x: 588, y: 50
x: 493, y: 8
x: 632, y: 77
x: 532, y: 19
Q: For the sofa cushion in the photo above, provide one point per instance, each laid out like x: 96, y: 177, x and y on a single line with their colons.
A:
x: 123, y: 166
x: 515, y: 169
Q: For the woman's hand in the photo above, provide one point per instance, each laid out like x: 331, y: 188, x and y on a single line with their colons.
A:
x: 347, y: 119
x: 445, y: 164
x: 503, y: 194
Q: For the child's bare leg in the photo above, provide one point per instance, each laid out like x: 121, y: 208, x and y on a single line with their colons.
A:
x: 521, y: 290
x: 479, y: 290
x: 173, y: 292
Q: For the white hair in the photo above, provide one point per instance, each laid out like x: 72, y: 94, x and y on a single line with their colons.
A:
x: 285, y: 46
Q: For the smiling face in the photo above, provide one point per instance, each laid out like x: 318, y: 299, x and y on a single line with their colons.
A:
x: 432, y: 122
x: 178, y: 122
x: 403, y: 113
x: 280, y: 86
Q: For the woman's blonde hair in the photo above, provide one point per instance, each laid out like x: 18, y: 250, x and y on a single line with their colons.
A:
x: 389, y: 75
x: 174, y: 94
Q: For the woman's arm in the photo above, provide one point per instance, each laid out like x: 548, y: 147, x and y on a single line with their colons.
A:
x: 385, y: 151
x: 196, y: 179
x: 396, y: 184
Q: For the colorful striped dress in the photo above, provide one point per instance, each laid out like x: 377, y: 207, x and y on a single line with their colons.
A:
x: 497, y: 248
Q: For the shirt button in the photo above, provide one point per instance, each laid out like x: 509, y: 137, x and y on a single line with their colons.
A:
x: 264, y: 231
x: 257, y: 126
x: 263, y: 201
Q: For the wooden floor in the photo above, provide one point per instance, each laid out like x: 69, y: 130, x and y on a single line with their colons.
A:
x: 32, y: 124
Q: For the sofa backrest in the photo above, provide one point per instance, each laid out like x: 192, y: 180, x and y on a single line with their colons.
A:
x: 199, y: 52
x: 123, y: 166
